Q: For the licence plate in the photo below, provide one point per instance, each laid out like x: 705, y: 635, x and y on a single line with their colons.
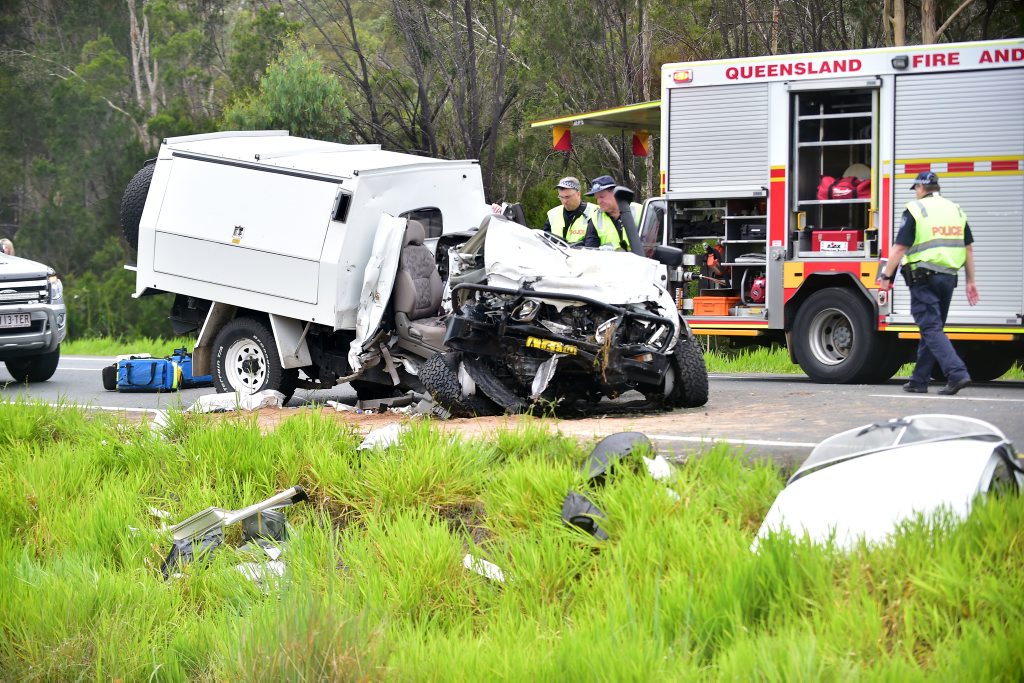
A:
x: 15, y: 320
x: 550, y: 346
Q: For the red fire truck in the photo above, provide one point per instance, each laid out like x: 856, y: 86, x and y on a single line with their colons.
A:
x: 784, y: 177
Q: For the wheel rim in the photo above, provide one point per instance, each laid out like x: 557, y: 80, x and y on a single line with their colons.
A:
x: 246, y: 366
x: 831, y: 336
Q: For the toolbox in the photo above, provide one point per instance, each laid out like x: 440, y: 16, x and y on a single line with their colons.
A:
x: 714, y: 305
x: 837, y: 241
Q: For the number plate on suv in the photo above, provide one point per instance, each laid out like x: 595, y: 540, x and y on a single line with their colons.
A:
x: 15, y: 320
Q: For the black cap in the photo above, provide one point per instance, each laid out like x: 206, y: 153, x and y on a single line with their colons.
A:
x: 925, y: 178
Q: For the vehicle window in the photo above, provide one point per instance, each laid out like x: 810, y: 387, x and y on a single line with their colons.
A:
x: 430, y: 217
x: 652, y: 225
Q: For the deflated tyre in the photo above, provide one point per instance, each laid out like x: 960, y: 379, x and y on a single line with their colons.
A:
x: 440, y: 377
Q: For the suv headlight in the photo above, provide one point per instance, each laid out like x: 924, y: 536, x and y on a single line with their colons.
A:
x: 56, y: 288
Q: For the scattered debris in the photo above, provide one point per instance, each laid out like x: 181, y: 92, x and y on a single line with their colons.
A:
x: 659, y: 467
x: 260, y: 572
x: 863, y: 483
x: 383, y: 437
x: 578, y: 511
x: 220, y: 403
x: 264, y: 529
x: 612, y: 449
x: 486, y: 569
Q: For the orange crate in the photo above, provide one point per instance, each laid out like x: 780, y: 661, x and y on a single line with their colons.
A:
x: 714, y: 305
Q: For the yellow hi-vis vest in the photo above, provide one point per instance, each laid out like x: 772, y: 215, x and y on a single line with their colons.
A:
x: 606, y: 230
x: 571, y: 233
x: 939, y: 237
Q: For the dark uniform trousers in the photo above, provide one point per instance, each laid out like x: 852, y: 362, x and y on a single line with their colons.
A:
x: 929, y: 304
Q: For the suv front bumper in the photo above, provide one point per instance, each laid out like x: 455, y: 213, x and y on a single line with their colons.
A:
x: 48, y: 329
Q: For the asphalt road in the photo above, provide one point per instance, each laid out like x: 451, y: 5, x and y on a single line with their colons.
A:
x: 782, y: 416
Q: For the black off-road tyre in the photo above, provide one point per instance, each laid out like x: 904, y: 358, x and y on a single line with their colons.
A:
x: 246, y: 360
x: 34, y: 368
x: 134, y: 201
x: 494, y: 388
x: 440, y: 378
x: 691, y: 374
x: 985, y: 361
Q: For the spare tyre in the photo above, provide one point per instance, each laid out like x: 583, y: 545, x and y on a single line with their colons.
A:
x: 134, y: 201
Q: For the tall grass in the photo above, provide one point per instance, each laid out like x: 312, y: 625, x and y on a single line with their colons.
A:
x: 116, y: 346
x: 375, y: 587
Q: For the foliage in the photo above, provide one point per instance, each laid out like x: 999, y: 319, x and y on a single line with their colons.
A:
x: 374, y: 585
x: 296, y: 94
x: 88, y: 89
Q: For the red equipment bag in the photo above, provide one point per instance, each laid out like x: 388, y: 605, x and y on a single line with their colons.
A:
x: 825, y: 187
x: 864, y: 188
x: 844, y: 188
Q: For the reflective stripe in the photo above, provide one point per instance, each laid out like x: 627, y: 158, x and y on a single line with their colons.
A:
x: 574, y: 232
x: 935, y: 243
x: 933, y: 248
x: 607, y: 232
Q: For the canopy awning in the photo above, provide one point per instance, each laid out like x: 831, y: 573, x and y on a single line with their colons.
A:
x: 644, y: 116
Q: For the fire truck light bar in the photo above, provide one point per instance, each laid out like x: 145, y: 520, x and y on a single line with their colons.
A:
x: 682, y: 76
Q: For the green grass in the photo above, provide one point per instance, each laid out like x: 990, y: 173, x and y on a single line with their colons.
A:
x: 375, y: 587
x: 775, y: 360
x: 115, y: 346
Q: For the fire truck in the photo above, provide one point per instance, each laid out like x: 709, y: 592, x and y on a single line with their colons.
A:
x: 794, y: 170
x: 785, y: 177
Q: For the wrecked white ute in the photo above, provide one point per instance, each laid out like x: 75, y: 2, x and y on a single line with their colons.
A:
x: 863, y: 483
x: 265, y: 238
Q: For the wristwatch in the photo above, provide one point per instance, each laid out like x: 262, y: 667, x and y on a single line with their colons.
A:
x: 883, y: 276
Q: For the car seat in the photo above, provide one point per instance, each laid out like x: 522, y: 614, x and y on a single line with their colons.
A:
x: 417, y: 295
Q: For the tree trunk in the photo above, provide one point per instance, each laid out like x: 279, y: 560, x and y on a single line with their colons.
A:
x: 929, y: 33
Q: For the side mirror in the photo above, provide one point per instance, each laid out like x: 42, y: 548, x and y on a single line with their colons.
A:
x: 515, y: 213
x: 669, y: 256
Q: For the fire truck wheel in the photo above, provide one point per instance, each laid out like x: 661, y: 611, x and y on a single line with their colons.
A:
x: 890, y: 354
x: 245, y: 360
x: 984, y: 360
x: 833, y: 336
x: 133, y: 201
x: 691, y: 380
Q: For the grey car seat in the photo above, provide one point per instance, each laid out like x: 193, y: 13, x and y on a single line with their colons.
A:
x: 417, y: 295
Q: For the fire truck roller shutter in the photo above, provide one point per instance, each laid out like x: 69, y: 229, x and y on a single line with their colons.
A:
x: 718, y: 139
x: 967, y: 119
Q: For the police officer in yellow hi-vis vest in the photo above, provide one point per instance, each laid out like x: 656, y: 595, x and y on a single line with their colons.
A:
x: 569, y: 219
x: 934, y: 242
x: 605, y: 226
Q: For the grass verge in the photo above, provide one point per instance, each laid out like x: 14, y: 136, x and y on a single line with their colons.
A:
x: 115, y: 346
x: 375, y: 587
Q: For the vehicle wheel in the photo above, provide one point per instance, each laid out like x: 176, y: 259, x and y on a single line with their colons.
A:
x: 493, y: 387
x: 246, y: 360
x: 833, y: 336
x: 34, y: 368
x: 440, y: 377
x: 691, y: 374
x: 134, y: 201
x: 889, y: 356
x: 986, y: 361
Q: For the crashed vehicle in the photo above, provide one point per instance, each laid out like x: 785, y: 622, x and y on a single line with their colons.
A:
x: 33, y: 318
x: 265, y: 240
x: 289, y: 254
x: 536, y: 321
x: 862, y: 484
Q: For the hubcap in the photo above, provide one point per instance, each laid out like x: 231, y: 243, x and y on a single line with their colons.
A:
x: 831, y: 337
x: 245, y: 366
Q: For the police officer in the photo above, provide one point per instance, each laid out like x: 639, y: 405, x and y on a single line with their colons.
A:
x: 934, y: 242
x: 569, y: 219
x: 605, y: 225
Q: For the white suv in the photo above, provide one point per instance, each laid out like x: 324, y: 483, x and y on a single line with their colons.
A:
x: 33, y: 320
